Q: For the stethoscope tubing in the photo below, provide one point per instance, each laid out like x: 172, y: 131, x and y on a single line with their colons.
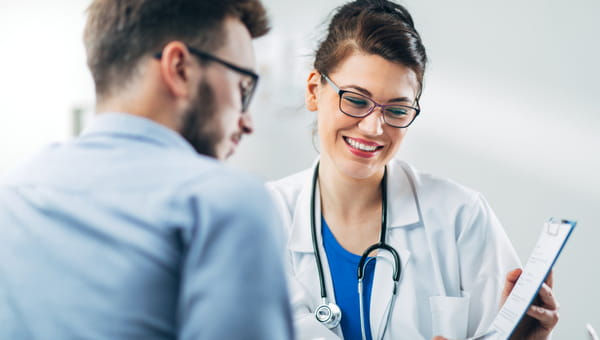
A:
x: 313, y: 223
x: 365, y: 256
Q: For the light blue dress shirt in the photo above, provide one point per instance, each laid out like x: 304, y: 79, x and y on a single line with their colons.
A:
x: 127, y: 233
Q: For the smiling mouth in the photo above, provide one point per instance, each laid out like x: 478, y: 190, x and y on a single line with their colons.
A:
x: 362, y: 146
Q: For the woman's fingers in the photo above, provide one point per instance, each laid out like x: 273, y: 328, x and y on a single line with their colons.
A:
x: 547, y: 298
x: 547, y: 318
x: 547, y: 312
x: 509, y: 284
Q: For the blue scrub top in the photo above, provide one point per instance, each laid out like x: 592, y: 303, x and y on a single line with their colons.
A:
x: 343, y: 266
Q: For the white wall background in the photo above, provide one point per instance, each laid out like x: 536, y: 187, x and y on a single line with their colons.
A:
x: 510, y: 108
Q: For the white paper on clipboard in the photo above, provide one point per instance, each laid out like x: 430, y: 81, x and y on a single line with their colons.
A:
x: 552, y: 239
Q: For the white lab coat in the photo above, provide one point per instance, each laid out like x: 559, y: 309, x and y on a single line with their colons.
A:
x: 455, y: 256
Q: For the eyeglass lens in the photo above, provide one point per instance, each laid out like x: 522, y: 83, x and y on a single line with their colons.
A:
x: 247, y: 88
x: 357, y: 105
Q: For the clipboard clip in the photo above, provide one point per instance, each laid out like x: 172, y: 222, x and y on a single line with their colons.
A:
x: 553, y: 226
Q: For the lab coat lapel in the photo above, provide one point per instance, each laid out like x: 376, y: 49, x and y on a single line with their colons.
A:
x: 402, y: 212
x: 301, y: 246
x: 403, y: 205
x: 300, y: 239
x: 383, y: 286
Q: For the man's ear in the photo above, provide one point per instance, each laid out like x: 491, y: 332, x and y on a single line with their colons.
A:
x: 312, y: 90
x: 175, y: 69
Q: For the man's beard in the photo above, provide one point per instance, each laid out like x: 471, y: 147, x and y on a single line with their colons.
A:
x: 199, y: 124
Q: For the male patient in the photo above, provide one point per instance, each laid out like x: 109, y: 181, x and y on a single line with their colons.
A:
x: 127, y: 232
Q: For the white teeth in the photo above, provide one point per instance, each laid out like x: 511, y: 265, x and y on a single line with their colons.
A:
x: 360, y: 146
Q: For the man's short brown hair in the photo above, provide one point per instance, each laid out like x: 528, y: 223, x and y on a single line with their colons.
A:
x: 120, y: 32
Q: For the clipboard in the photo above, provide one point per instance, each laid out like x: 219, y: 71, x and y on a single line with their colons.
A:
x: 553, y: 237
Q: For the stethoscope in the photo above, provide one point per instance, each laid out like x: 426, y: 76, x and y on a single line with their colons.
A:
x: 330, y: 314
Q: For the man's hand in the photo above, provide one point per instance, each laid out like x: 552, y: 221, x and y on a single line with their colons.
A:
x: 542, y: 315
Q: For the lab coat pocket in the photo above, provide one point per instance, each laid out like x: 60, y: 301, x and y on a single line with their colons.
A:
x: 450, y: 316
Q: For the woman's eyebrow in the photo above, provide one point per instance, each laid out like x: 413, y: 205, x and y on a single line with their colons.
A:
x: 368, y: 93
x: 360, y: 89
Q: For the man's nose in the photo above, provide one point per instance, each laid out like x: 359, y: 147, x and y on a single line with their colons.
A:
x: 246, y: 124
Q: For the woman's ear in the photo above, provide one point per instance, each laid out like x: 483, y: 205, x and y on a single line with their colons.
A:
x: 312, y: 90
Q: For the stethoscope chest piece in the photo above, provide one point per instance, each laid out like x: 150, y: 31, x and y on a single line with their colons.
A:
x: 329, y: 314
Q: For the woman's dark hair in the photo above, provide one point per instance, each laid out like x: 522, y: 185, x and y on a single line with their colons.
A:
x: 378, y: 27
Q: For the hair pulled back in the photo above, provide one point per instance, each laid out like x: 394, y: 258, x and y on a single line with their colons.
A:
x: 378, y: 27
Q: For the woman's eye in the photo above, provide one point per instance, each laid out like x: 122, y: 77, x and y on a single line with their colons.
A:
x: 396, y: 111
x: 356, y: 102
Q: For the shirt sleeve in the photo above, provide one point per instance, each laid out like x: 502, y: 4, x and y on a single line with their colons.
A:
x: 233, y: 281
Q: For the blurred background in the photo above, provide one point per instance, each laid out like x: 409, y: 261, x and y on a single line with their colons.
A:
x: 510, y: 108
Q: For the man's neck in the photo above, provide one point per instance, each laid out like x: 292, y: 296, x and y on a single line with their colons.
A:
x: 148, y: 108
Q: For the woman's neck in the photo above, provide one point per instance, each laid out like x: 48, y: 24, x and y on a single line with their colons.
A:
x: 346, y: 197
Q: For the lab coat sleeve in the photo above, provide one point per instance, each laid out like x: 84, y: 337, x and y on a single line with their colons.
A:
x: 233, y: 283
x: 486, y: 255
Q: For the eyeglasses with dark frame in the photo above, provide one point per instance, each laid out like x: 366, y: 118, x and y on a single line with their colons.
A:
x: 359, y: 106
x: 248, y: 85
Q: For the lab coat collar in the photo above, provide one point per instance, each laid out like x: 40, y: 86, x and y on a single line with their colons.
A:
x: 402, y: 206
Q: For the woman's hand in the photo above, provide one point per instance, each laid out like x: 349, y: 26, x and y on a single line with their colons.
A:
x: 542, y: 315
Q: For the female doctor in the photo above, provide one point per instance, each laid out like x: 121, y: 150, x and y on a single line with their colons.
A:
x: 419, y: 255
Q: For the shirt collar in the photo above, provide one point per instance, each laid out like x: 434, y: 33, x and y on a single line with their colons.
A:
x: 135, y: 127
